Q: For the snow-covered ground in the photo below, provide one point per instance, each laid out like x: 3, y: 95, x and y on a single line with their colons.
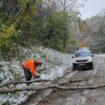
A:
x: 54, y: 66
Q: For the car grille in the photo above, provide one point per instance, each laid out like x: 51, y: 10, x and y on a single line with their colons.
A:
x: 85, y: 60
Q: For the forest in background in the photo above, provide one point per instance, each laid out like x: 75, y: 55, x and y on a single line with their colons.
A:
x: 43, y: 22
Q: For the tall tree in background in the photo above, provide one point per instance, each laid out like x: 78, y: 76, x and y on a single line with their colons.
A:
x: 99, y: 37
x: 96, y: 36
x: 16, y: 18
x: 52, y: 13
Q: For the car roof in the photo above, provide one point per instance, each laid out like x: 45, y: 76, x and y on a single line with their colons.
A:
x: 83, y: 50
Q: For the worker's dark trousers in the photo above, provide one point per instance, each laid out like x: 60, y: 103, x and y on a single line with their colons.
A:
x: 28, y: 74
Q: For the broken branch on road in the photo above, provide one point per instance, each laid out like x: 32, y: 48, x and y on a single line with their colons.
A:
x: 17, y: 82
x: 6, y: 90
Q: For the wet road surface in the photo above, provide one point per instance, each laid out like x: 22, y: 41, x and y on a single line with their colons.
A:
x: 79, y: 97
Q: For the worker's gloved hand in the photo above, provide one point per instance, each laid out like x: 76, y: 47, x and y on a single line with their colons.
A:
x: 37, y: 75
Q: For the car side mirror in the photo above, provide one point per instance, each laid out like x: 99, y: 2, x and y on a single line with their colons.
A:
x: 92, y: 55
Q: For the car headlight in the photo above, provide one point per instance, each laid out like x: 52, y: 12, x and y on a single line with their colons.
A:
x: 74, y: 60
x: 90, y: 59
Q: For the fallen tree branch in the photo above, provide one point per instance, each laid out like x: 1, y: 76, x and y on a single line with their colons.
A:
x: 42, y: 80
x: 17, y: 82
x: 48, y: 87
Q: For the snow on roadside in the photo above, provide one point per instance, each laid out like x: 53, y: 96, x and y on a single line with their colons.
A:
x: 55, y: 66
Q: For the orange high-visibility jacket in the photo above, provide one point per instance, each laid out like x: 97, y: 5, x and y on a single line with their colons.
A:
x: 29, y: 64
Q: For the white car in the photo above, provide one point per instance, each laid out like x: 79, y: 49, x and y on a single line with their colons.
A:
x: 82, y: 58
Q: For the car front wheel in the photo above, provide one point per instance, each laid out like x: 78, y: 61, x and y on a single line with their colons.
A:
x: 91, y: 65
x: 75, y: 66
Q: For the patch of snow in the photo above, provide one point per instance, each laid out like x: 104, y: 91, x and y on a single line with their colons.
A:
x: 53, y: 73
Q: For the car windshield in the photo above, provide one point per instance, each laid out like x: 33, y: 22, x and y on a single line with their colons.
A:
x: 82, y: 54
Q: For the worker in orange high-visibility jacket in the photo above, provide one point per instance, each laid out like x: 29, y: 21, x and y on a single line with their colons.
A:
x: 30, y: 68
